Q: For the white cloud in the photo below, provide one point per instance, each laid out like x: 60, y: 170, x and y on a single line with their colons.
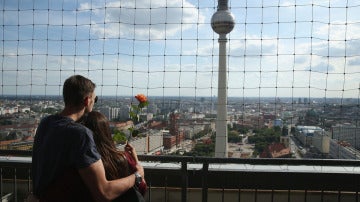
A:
x: 84, y: 7
x: 162, y: 20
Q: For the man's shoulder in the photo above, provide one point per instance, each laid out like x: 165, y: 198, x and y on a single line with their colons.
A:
x: 64, y: 124
x: 54, y: 118
x: 77, y: 128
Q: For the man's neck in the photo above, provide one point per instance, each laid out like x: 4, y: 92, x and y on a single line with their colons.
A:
x: 74, y: 114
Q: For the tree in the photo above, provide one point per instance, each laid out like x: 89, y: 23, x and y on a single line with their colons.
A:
x: 50, y: 110
x: 199, y: 134
x: 202, y: 149
x: 260, y: 147
x: 311, y: 117
x: 234, y: 136
x: 241, y: 129
x: 264, y: 137
x: 277, y: 128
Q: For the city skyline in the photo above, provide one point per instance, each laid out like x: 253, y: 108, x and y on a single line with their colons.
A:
x: 167, y: 48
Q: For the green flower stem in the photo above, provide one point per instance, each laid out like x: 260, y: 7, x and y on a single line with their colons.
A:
x: 134, y: 116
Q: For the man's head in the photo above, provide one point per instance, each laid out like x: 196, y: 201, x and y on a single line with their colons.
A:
x: 79, y: 92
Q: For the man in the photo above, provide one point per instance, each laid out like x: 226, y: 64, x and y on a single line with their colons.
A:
x: 66, y: 165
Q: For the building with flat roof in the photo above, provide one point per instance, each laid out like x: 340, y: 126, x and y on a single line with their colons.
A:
x: 347, y: 133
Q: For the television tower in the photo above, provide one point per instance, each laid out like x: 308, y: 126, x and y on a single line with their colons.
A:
x: 222, y: 22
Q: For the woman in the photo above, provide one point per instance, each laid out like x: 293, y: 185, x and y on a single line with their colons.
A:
x: 117, y: 164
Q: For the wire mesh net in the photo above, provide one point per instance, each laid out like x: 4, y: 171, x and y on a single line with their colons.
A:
x: 282, y: 56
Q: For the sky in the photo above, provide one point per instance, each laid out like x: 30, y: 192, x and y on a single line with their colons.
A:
x: 302, y: 48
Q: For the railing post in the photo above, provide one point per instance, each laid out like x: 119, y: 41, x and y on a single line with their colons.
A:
x: 29, y: 180
x: 204, y: 181
x: 149, y: 187
x: 1, y: 182
x: 15, y: 185
x: 184, y: 176
x: 166, y: 184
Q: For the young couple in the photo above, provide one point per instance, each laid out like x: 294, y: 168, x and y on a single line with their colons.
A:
x: 71, y: 162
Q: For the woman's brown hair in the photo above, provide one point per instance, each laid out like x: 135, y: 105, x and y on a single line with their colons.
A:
x: 114, y: 160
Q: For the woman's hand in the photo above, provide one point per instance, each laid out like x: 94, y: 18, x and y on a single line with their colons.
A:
x: 131, y: 150
x: 136, y: 167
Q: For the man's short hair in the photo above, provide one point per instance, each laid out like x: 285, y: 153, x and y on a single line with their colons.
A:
x: 75, y: 89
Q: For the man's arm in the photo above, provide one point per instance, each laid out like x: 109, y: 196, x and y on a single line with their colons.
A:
x: 102, y: 189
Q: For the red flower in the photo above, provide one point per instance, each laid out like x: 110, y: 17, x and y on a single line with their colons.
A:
x: 141, y: 98
x: 134, y: 113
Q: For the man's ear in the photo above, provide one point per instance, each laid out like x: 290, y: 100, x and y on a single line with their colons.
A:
x: 86, y: 101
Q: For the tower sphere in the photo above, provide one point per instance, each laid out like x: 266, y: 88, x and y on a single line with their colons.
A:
x: 222, y: 22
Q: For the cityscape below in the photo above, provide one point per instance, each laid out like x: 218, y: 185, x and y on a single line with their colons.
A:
x: 325, y: 128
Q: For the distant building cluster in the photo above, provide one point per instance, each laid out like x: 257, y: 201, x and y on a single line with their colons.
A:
x: 339, y: 143
x: 16, y: 129
x: 14, y: 109
x: 159, y: 136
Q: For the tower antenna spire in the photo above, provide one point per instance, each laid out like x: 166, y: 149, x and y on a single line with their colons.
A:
x: 222, y: 22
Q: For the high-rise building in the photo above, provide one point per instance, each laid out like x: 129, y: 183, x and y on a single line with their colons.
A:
x: 110, y: 112
x: 124, y: 112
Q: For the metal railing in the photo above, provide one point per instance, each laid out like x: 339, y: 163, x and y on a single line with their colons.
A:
x: 180, y: 178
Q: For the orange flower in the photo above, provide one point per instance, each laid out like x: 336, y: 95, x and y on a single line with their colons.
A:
x: 141, y: 98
